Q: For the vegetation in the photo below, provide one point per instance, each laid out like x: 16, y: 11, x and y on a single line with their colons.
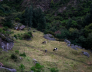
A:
x: 64, y: 19
x: 14, y: 57
x: 54, y: 70
x: 23, y: 54
x: 37, y: 68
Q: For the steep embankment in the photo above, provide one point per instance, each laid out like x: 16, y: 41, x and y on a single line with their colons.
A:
x: 65, y: 58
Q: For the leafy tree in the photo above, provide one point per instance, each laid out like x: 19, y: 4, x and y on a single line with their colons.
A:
x: 74, y: 33
x: 64, y: 34
x: 28, y: 16
x: 8, y: 23
x: 39, y: 20
x: 88, y: 29
x: 89, y: 41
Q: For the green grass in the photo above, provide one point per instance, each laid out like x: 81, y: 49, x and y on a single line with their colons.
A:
x: 65, y: 59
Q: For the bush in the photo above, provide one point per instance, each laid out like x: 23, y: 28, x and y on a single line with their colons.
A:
x: 49, y: 32
x: 54, y: 70
x: 22, y: 67
x: 1, y: 30
x: 88, y: 29
x: 27, y: 35
x: 15, y: 36
x: 17, y: 19
x: 8, y: 23
x: 30, y: 34
x: 5, y: 28
x: 64, y: 34
x: 20, y: 38
x: 37, y: 68
x: 23, y: 54
x: 89, y: 41
x: 14, y: 57
x: 17, y: 51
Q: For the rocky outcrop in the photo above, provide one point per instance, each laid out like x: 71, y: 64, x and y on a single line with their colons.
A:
x: 6, y: 45
x: 11, y: 70
x: 49, y: 37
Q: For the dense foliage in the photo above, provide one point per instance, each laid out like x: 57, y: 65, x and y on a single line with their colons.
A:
x: 34, y: 18
x: 73, y: 23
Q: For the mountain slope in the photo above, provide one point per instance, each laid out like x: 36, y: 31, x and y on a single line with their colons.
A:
x: 65, y: 58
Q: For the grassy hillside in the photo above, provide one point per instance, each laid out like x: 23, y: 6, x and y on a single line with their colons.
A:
x: 65, y: 59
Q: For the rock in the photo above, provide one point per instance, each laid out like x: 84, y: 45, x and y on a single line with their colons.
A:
x: 34, y: 31
x: 31, y: 71
x: 80, y: 47
x: 67, y: 41
x: 20, y: 58
x: 12, y: 70
x: 86, y: 53
x: 1, y: 64
x: 49, y: 37
x: 76, y: 46
x: 44, y: 42
x: 73, y: 47
x: 21, y: 27
x: 45, y: 50
x: 6, y: 45
x: 68, y: 45
x: 35, y: 61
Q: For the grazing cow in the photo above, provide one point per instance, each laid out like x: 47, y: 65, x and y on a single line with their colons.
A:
x: 54, y: 49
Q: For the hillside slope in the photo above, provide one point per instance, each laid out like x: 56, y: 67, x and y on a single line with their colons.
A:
x: 65, y: 58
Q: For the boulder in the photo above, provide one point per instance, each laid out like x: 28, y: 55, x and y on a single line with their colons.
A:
x: 6, y: 45
x: 49, y: 37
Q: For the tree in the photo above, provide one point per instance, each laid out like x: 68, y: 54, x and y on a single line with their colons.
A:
x: 39, y: 20
x: 89, y: 41
x: 88, y: 29
x: 27, y: 16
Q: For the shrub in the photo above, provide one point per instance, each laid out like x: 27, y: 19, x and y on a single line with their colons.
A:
x: 49, y: 32
x: 20, y: 38
x: 27, y: 35
x: 37, y: 68
x: 64, y: 34
x: 17, y: 19
x: 1, y: 30
x: 8, y: 23
x: 15, y: 36
x: 88, y: 29
x: 22, y: 67
x: 89, y: 41
x: 5, y: 28
x: 14, y: 57
x: 23, y: 54
x: 17, y: 51
x: 30, y: 33
x: 19, y: 35
x: 54, y: 70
